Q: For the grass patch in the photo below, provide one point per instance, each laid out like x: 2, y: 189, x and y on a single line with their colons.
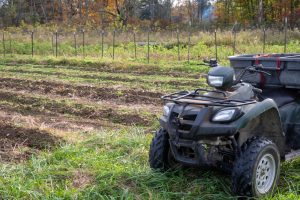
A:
x: 109, y: 65
x: 113, y: 165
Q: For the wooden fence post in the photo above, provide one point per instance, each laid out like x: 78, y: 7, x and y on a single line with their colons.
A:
x: 75, y: 44
x: 189, y: 46
x: 264, y: 40
x: 134, y: 41
x: 114, y: 37
x: 83, y: 44
x: 216, y: 45
x: 10, y: 46
x: 32, y: 44
x: 285, y: 34
x: 234, y: 41
x: 56, y: 48
x: 102, y: 43
x: 52, y: 43
x: 148, y: 52
x: 178, y: 45
x: 3, y: 42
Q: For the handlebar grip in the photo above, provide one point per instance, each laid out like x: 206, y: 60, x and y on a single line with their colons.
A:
x: 257, y: 90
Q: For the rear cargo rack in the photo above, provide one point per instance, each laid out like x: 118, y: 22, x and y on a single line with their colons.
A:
x: 284, y: 69
x: 197, y: 98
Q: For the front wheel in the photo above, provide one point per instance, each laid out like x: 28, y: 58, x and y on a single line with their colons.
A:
x: 256, y: 170
x: 160, y: 154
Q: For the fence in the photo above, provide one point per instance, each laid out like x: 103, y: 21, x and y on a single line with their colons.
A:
x: 169, y: 46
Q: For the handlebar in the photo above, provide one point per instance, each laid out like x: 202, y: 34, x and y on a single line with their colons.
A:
x: 257, y: 90
x: 258, y: 71
x: 252, y: 69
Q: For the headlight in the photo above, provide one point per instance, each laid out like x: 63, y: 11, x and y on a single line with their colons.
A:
x: 226, y: 115
x: 215, y: 81
x: 166, y: 110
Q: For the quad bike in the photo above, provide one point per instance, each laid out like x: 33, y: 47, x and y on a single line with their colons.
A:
x: 246, y: 125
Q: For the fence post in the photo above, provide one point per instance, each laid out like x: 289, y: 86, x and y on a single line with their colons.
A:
x: 148, y: 52
x: 234, y: 41
x: 56, y: 48
x: 216, y: 45
x: 134, y: 41
x: 83, y: 44
x: 178, y: 45
x: 264, y: 40
x: 285, y: 34
x: 75, y: 44
x: 52, y: 43
x: 10, y: 47
x: 189, y: 46
x: 102, y: 43
x: 114, y: 35
x: 3, y: 42
x: 32, y: 44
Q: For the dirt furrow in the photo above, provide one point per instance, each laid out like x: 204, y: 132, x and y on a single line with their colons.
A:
x: 82, y: 91
x: 59, y: 123
x: 34, y: 105
x: 18, y: 143
x: 191, y: 83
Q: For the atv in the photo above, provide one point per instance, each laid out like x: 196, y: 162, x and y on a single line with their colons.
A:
x: 246, y: 125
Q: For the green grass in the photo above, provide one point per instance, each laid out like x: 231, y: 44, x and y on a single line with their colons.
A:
x: 119, y: 65
x: 113, y: 165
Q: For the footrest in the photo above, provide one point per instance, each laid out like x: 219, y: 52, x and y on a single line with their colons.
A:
x: 292, y: 155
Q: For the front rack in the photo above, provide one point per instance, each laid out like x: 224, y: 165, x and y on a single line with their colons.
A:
x: 197, y: 98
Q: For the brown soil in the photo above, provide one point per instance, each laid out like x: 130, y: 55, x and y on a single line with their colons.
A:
x: 59, y: 122
x: 32, y: 105
x: 82, y: 91
x: 17, y: 144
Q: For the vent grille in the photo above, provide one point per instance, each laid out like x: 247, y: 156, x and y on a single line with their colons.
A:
x: 183, y: 124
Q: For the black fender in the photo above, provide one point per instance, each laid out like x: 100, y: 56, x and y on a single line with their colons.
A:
x: 261, y: 119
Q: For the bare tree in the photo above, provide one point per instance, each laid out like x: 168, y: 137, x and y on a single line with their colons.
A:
x: 86, y: 9
x: 80, y: 8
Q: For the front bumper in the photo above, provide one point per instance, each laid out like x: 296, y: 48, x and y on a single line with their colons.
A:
x: 194, y: 123
x: 197, y: 150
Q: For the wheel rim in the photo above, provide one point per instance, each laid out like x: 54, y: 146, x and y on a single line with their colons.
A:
x: 265, y: 173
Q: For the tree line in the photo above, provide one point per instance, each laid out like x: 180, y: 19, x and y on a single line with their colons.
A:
x: 258, y: 13
x: 151, y: 13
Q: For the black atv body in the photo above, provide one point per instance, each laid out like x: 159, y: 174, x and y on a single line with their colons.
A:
x: 263, y: 128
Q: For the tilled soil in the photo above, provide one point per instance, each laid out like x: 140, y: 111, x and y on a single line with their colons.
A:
x: 57, y: 122
x: 34, y: 105
x: 82, y: 91
x: 62, y: 106
x: 18, y: 143
x: 191, y: 83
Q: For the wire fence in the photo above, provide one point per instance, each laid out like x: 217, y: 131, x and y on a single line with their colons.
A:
x: 148, y: 46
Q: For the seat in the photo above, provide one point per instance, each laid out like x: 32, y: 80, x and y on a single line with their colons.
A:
x: 281, y: 96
